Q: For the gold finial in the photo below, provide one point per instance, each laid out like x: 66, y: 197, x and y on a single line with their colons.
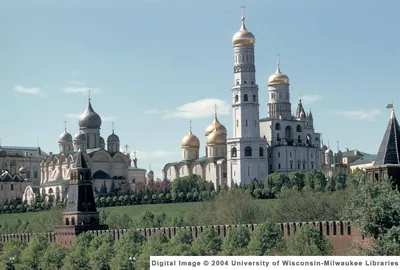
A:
x: 242, y: 7
x: 215, y: 110
x: 190, y: 126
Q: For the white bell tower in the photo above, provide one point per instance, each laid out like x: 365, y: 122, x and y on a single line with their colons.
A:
x: 247, y: 152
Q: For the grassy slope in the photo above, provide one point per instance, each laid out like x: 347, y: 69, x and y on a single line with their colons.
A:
x: 133, y: 211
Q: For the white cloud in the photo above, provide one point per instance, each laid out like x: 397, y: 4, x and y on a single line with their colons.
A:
x: 27, y: 90
x: 308, y: 99
x: 151, y: 111
x: 79, y: 87
x: 199, y: 109
x: 103, y: 118
x: 153, y: 154
x: 76, y: 83
x: 368, y: 115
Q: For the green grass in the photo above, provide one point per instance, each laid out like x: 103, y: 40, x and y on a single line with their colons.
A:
x: 133, y: 211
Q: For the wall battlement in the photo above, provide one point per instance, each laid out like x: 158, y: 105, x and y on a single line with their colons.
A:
x: 341, y: 234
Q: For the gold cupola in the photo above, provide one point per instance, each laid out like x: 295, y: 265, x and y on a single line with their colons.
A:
x: 190, y: 140
x: 216, y: 137
x: 243, y: 37
x: 278, y: 77
x: 215, y: 125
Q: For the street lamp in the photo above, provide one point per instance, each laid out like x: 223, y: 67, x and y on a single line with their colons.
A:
x: 132, y: 262
x: 12, y: 263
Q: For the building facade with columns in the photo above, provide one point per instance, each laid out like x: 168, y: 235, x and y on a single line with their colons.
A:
x: 107, y: 163
x: 19, y: 167
x: 212, y: 166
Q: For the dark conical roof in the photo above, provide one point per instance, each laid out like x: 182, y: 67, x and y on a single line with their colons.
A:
x: 389, y: 150
x: 80, y: 161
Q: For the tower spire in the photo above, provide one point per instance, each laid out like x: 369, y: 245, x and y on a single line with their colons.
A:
x: 278, y: 63
x: 65, y: 126
x: 243, y: 18
x: 113, y: 127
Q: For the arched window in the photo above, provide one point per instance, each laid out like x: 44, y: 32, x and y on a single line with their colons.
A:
x: 236, y: 98
x: 245, y: 82
x: 298, y: 128
x: 248, y: 151
x: 233, y: 152
x: 73, y: 221
x: 288, y: 134
x: 278, y: 137
x: 261, y: 152
x: 245, y: 97
x: 279, y: 166
x: 308, y: 138
x: 254, y: 98
x: 237, y: 82
x: 299, y: 139
x: 277, y: 126
x: 67, y: 221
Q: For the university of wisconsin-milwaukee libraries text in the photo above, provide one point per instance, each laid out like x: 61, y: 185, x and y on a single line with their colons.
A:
x: 339, y: 263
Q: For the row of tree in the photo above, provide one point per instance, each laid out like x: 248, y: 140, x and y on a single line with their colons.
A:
x: 192, y: 189
x: 90, y: 252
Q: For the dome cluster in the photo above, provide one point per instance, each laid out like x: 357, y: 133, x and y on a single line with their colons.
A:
x: 215, y: 134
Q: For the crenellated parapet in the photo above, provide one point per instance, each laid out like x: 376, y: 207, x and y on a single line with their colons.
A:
x: 342, y: 234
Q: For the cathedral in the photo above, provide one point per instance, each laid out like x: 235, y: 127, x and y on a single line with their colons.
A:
x: 107, y: 163
x: 282, y: 142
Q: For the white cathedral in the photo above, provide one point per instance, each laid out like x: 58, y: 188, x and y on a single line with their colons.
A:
x: 107, y: 163
x: 281, y: 142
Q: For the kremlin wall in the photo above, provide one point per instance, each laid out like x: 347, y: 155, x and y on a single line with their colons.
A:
x: 342, y: 235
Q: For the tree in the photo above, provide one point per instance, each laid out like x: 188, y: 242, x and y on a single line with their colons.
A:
x: 99, y: 251
x: 52, y: 257
x: 308, y: 242
x: 31, y: 255
x: 11, y: 249
x: 128, y: 246
x: 113, y: 189
x: 103, y: 189
x: 315, y: 179
x: 236, y: 241
x: 375, y: 210
x: 207, y: 243
x: 156, y: 245
x: 266, y: 239
x: 180, y: 244
x: 356, y: 177
x: 297, y: 179
x: 278, y: 180
x: 78, y: 254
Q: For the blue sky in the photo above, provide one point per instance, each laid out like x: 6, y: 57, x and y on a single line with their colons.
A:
x: 145, y: 60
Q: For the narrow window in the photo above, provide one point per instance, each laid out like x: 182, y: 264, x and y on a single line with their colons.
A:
x: 12, y: 187
x: 237, y: 122
x: 279, y: 166
x: 254, y: 98
x: 246, y: 122
x: 237, y: 98
x: 245, y: 97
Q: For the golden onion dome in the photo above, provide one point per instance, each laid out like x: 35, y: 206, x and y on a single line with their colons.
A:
x: 190, y: 140
x: 243, y: 37
x: 278, y: 78
x: 216, y: 137
x: 215, y: 125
